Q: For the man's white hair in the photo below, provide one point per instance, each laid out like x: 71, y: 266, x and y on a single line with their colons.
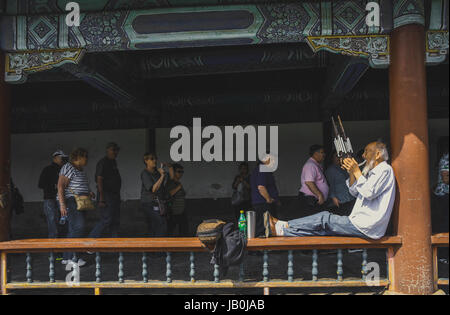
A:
x: 382, y: 148
x: 273, y: 164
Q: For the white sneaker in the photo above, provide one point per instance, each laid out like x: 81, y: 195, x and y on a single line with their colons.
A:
x: 443, y: 261
x: 350, y: 251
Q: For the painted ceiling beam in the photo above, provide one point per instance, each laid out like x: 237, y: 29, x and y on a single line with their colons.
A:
x: 334, y: 26
x: 30, y: 7
x: 437, y: 36
x: 196, y: 26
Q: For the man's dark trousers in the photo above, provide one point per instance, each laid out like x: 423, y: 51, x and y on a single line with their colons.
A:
x: 110, y: 216
x: 259, y: 216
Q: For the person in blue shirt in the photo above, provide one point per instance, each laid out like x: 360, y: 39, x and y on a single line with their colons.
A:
x: 341, y: 201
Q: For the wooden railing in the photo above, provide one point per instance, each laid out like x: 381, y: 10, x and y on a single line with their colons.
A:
x: 193, y: 245
x: 437, y: 241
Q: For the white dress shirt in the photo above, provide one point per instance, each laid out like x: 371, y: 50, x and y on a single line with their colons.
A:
x: 375, y: 196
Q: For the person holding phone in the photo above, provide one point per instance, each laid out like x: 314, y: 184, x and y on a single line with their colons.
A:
x: 152, y: 193
x: 178, y: 217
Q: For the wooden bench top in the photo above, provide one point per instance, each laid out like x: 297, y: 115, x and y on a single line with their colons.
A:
x: 191, y: 244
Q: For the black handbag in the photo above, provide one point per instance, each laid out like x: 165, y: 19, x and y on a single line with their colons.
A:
x: 162, y: 205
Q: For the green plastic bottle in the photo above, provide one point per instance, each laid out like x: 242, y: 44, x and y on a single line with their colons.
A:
x: 243, y: 224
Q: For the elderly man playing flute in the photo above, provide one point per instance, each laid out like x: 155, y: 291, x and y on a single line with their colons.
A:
x: 374, y: 189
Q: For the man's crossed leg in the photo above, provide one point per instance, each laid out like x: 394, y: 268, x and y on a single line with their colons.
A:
x: 321, y: 224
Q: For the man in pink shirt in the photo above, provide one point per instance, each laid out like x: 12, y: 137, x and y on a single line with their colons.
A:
x: 314, y: 187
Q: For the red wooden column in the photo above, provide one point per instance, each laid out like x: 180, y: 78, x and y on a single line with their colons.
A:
x: 5, y: 142
x: 412, y: 270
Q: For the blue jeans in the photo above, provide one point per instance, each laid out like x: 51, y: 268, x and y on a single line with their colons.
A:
x: 110, y: 216
x: 322, y: 224
x: 76, y: 222
x: 51, y: 210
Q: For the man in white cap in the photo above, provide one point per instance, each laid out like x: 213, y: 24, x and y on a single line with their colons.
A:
x: 48, y: 183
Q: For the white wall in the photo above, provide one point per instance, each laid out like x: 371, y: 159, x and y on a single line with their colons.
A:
x: 294, y: 142
x: 32, y: 152
x: 214, y: 179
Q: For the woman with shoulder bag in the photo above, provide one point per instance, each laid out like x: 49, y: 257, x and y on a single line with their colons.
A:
x: 153, y: 196
x: 74, y: 196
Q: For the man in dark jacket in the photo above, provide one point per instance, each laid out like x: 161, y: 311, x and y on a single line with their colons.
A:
x: 264, y: 192
x: 48, y: 182
x: 109, y: 183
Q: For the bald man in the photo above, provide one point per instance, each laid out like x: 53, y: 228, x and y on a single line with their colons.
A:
x: 374, y: 190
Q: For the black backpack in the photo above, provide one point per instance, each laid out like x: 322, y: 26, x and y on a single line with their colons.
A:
x: 230, y: 249
x: 210, y: 231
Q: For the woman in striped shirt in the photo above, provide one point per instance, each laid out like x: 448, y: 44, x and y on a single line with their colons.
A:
x: 73, y: 181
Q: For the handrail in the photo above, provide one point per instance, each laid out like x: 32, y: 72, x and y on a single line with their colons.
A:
x: 191, y: 244
x: 440, y: 240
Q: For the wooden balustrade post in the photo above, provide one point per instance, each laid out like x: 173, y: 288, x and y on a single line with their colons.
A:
x: 51, y: 267
x: 315, y: 265
x: 144, y: 268
x: 290, y: 271
x: 98, y: 270
x: 3, y: 272
x: 121, y: 273
x: 435, y: 269
x: 192, y: 266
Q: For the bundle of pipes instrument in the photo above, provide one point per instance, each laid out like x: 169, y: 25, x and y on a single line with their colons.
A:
x: 342, y: 143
